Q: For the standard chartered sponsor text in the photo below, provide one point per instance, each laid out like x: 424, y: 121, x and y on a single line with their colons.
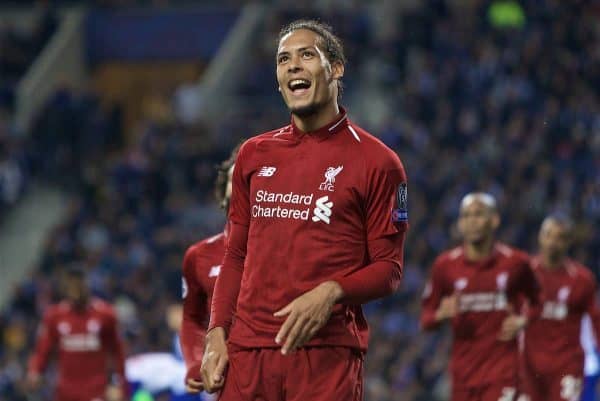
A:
x: 290, y: 205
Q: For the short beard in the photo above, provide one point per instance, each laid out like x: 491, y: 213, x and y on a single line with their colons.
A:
x: 306, y: 111
x: 556, y: 256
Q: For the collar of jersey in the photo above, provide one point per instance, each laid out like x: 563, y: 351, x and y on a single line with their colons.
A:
x: 566, y: 266
x: 484, y: 263
x: 325, y: 131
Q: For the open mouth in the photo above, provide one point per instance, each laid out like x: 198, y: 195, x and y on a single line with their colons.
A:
x: 299, y: 86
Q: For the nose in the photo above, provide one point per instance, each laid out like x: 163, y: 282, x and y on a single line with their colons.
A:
x: 295, y: 65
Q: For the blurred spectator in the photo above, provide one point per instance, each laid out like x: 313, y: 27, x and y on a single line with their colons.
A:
x: 19, y: 49
x: 15, y: 162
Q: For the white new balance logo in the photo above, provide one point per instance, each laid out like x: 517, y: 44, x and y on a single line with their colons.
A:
x: 267, y: 171
x: 322, y: 211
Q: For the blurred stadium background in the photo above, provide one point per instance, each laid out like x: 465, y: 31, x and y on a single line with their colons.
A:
x: 113, y: 115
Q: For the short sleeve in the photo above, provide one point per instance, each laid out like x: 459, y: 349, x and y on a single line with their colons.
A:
x: 386, y: 197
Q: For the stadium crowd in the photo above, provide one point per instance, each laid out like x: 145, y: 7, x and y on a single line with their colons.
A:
x: 18, y: 48
x: 468, y: 105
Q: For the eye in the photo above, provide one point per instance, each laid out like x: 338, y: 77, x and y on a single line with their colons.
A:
x: 282, y: 59
x: 307, y: 54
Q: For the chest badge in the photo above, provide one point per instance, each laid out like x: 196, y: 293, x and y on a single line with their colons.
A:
x: 501, y: 281
x: 330, y: 174
x: 563, y: 294
x: 93, y: 326
x: 64, y: 328
x: 461, y: 284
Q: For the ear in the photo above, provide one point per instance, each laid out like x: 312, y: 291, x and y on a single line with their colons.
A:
x: 337, y: 70
x: 495, y: 221
x: 460, y: 227
x: 540, y: 236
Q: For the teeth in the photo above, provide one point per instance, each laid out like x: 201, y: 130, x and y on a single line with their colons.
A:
x: 299, y: 82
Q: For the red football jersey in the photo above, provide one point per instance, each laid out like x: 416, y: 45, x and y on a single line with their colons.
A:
x: 87, y: 340
x: 315, y: 207
x: 552, y: 342
x: 201, y: 266
x: 486, y: 288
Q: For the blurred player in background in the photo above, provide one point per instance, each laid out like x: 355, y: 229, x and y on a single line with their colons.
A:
x: 477, y: 287
x: 553, y: 358
x: 201, y: 266
x: 84, y: 330
x: 317, y: 225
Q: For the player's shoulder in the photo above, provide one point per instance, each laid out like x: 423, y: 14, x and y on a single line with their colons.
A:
x: 277, y: 134
x: 374, y: 150
x: 580, y: 270
x: 102, y: 307
x: 57, y: 310
x: 268, y: 138
x: 449, y: 257
x: 205, y: 245
x: 515, y: 255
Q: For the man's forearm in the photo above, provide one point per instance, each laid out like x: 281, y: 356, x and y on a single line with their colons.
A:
x: 227, y: 287
x: 379, y: 279
x: 374, y: 281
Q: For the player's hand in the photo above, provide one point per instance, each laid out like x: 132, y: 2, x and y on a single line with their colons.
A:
x: 193, y: 379
x: 33, y: 381
x: 448, y: 308
x: 306, y: 315
x: 214, y: 361
x: 511, y: 325
x: 193, y: 386
x: 114, y: 393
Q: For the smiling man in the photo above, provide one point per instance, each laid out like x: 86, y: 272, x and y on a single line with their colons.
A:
x: 317, y: 224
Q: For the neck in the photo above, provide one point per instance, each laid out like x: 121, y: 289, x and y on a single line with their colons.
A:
x: 476, y: 251
x: 550, y: 262
x: 317, y: 120
x: 80, y: 304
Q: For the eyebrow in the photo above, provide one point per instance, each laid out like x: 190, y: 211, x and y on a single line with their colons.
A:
x: 299, y: 50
